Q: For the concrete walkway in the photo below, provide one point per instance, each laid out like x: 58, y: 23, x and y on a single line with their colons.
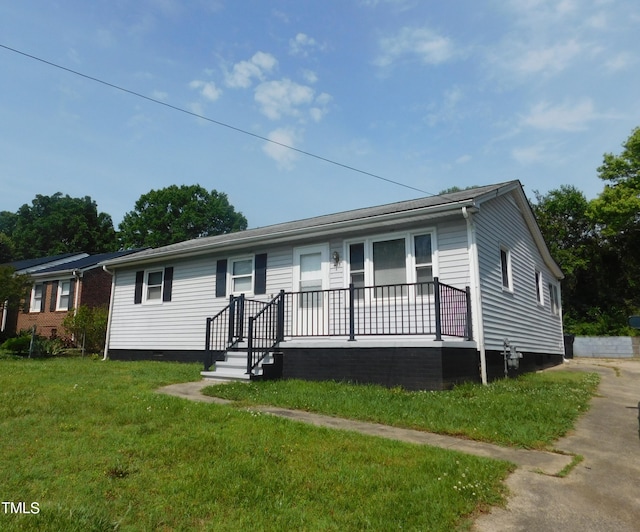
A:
x: 601, y: 493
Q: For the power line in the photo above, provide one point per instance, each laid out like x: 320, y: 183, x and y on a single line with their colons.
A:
x: 213, y: 121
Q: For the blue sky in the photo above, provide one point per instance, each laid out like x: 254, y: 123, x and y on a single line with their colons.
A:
x: 430, y: 94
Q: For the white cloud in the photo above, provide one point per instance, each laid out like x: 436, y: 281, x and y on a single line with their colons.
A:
x: 207, y: 89
x: 279, y: 152
x: 284, y: 97
x: 420, y: 43
x: 528, y: 154
x: 310, y: 76
x: 301, y: 44
x: 551, y: 58
x: 619, y: 62
x: 565, y: 117
x: 245, y: 72
x: 160, y: 95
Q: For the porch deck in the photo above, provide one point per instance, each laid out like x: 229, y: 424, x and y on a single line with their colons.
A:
x: 402, y: 315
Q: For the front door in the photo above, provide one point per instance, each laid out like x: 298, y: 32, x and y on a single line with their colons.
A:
x: 310, y: 280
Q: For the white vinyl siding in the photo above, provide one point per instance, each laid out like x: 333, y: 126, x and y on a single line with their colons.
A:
x: 181, y: 325
x: 515, y: 314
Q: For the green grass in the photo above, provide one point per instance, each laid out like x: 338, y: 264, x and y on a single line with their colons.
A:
x: 97, y: 449
x: 532, y: 411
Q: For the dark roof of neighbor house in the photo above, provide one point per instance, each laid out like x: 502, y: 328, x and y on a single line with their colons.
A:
x: 29, y: 264
x: 428, y: 206
x: 86, y: 263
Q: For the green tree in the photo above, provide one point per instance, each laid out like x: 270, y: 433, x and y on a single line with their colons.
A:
x: 616, y: 213
x: 12, y: 287
x: 563, y: 217
x: 174, y: 214
x: 7, y: 249
x: 61, y: 224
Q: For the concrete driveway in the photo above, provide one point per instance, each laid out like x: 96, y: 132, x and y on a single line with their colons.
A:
x: 603, y: 492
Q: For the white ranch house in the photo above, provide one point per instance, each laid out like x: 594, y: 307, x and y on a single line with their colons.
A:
x: 422, y: 294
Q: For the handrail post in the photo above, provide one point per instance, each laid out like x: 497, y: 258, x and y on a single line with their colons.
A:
x: 352, y: 312
x: 241, y: 318
x: 469, y: 322
x: 207, y: 347
x: 232, y: 318
x: 280, y: 318
x: 438, y: 309
x: 250, y: 346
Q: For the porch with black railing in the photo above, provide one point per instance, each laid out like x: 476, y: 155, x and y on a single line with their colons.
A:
x: 419, y: 309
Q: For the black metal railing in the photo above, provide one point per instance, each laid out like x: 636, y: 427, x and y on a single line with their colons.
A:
x: 265, y: 331
x: 229, y: 327
x: 430, y: 308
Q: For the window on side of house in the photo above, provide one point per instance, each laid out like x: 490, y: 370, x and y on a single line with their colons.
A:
x: 241, y: 275
x: 554, y: 297
x: 539, y: 290
x: 154, y: 285
x: 64, y: 293
x: 37, y: 298
x: 505, y: 267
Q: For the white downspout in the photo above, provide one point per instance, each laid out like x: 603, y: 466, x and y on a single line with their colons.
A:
x: 77, y: 275
x: 476, y: 295
x: 113, y: 289
x: 4, y: 316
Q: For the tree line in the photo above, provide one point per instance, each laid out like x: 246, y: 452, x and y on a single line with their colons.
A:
x: 57, y: 224
x: 595, y: 242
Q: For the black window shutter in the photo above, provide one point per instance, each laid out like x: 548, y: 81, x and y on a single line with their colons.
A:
x: 72, y: 290
x: 221, y: 278
x: 168, y: 284
x: 43, y: 302
x: 137, y: 298
x: 260, y: 279
x: 54, y: 296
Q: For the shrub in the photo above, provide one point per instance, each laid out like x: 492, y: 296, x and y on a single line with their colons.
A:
x: 88, y: 325
x: 19, y: 345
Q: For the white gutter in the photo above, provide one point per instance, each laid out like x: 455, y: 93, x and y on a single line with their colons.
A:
x: 476, y: 295
x: 113, y: 289
x: 4, y: 315
x: 78, y: 275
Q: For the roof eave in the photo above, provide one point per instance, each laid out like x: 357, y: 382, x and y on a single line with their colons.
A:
x: 280, y: 237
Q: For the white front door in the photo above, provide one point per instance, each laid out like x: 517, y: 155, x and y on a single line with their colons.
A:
x: 311, y: 277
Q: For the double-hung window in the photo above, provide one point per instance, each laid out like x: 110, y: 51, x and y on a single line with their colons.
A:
x: 37, y: 298
x: 554, y: 297
x: 539, y: 290
x: 423, y: 258
x: 241, y: 275
x: 64, y: 295
x: 505, y: 267
x: 154, y: 285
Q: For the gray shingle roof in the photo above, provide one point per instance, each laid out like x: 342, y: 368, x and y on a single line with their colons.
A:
x: 266, y: 233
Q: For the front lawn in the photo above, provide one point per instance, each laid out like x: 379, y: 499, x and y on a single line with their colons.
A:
x: 93, y: 447
x: 532, y: 411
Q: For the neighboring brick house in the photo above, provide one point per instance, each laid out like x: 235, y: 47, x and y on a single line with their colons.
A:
x: 63, y: 286
x: 8, y: 323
